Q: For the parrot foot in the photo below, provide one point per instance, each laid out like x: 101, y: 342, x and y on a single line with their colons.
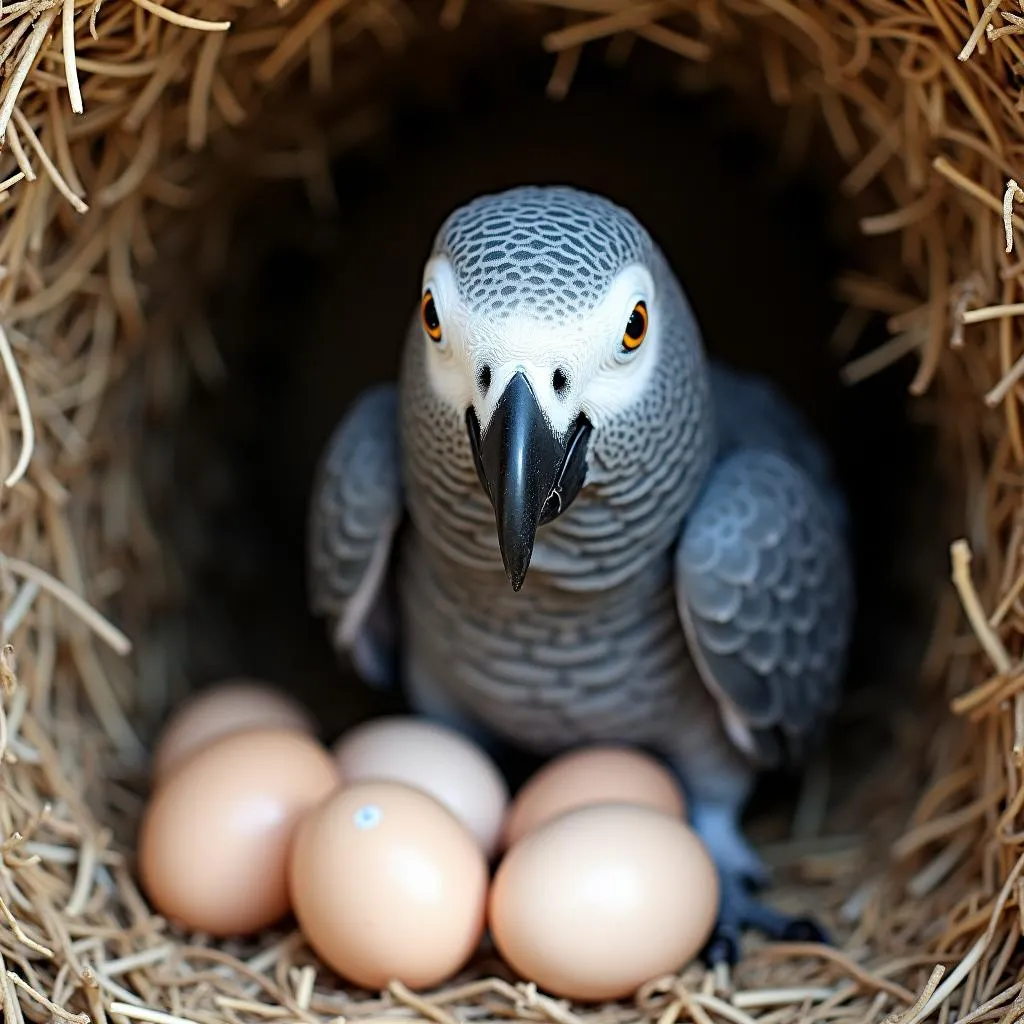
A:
x: 718, y: 827
x: 739, y: 909
x: 740, y: 872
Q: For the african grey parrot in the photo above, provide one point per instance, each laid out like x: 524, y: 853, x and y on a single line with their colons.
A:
x: 565, y: 525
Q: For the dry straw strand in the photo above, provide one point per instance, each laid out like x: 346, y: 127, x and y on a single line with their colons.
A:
x: 109, y: 633
x: 183, y: 20
x: 49, y: 166
x: 24, y: 66
x: 28, y: 434
x: 1013, y: 194
x: 68, y: 45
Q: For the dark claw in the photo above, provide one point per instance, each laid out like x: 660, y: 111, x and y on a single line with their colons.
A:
x: 739, y: 910
x: 804, y: 929
x: 722, y: 948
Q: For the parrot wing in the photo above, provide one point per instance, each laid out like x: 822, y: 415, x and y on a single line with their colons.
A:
x: 769, y: 421
x: 765, y: 592
x: 356, y: 509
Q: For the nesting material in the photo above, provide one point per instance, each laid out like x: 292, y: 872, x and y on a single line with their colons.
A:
x: 112, y: 114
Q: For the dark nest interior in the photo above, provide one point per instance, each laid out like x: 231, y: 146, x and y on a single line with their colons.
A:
x: 203, y: 269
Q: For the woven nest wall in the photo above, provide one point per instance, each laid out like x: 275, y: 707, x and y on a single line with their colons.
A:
x: 198, y: 204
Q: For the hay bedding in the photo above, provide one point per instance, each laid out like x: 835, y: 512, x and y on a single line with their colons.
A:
x: 111, y: 112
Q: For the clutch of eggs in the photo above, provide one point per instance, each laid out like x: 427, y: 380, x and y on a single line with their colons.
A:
x: 381, y: 848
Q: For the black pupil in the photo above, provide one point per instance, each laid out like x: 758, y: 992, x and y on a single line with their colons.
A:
x: 430, y: 315
x: 635, y: 326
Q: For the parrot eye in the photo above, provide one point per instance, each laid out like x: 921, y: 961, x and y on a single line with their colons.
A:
x: 636, y: 328
x: 428, y: 314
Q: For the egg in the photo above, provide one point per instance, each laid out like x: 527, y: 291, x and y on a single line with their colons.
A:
x: 592, y: 775
x: 236, y: 705
x: 602, y: 899
x: 434, y: 758
x: 387, y: 883
x: 214, y: 839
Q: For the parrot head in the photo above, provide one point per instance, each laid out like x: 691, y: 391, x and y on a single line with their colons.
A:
x: 541, y: 314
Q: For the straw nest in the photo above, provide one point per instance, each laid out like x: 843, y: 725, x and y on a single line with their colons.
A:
x: 122, y: 119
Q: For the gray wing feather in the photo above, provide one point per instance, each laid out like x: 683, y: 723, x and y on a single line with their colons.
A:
x: 356, y: 508
x: 751, y: 413
x: 765, y: 592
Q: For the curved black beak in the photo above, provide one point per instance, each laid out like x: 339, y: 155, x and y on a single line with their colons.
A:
x: 530, y: 473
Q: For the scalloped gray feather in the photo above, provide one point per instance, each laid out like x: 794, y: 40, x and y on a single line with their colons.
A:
x: 357, y: 507
x: 765, y: 591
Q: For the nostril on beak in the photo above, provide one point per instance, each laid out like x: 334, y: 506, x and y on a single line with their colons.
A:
x: 560, y: 381
x: 484, y: 379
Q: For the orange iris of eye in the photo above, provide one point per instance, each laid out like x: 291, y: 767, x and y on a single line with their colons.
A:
x: 428, y: 313
x: 636, y: 327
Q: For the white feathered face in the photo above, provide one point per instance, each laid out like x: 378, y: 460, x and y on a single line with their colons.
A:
x: 597, y: 361
x: 542, y: 323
